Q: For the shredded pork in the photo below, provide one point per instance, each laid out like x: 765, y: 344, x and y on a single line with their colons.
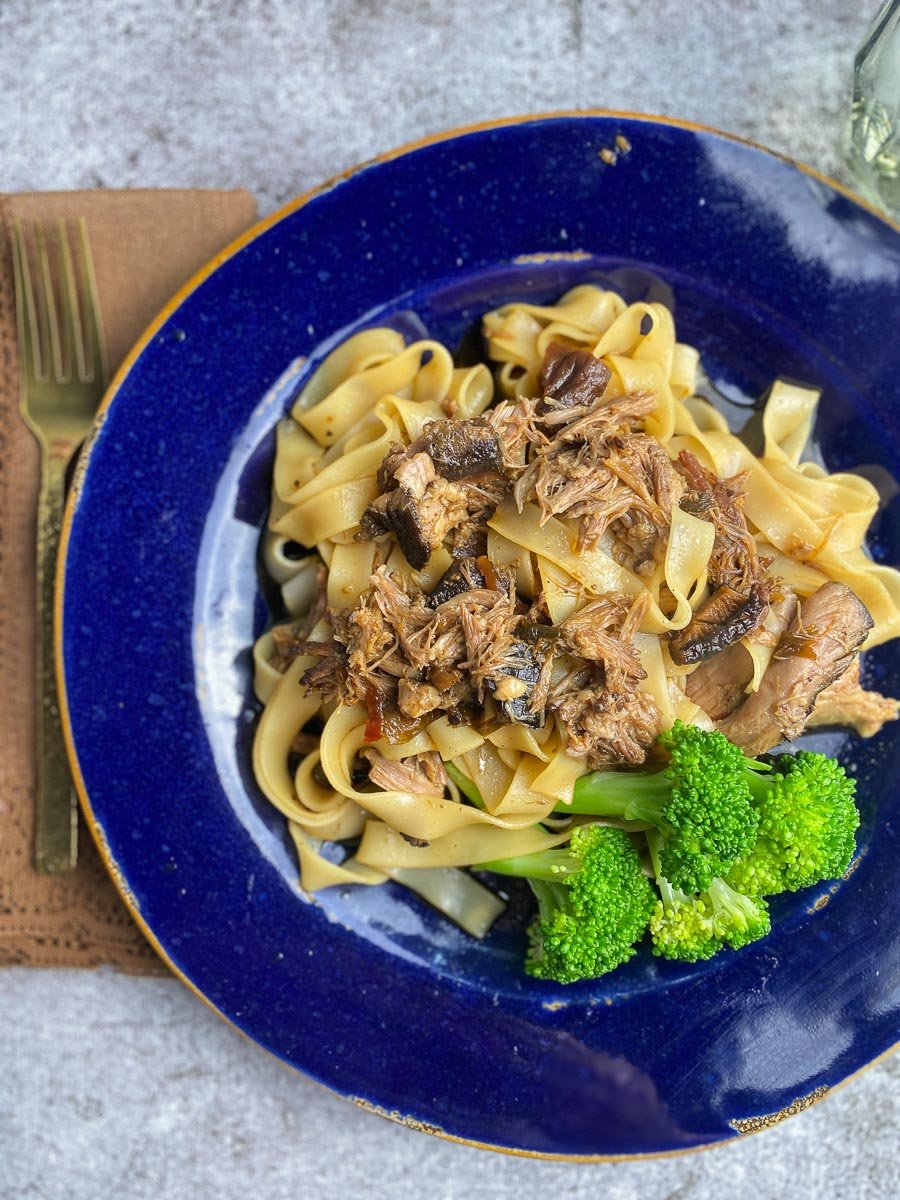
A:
x: 447, y: 482
x: 421, y: 774
x: 477, y: 656
x: 847, y: 702
x: 472, y: 650
x: 603, y: 475
x: 607, y: 727
x: 738, y: 576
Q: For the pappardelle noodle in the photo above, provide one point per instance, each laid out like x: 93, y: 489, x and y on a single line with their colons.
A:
x: 506, y: 582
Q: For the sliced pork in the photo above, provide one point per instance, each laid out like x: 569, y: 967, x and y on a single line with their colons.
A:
x: 819, y: 646
x: 847, y: 702
x: 719, y: 683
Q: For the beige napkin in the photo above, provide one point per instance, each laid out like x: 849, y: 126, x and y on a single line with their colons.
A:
x: 145, y: 245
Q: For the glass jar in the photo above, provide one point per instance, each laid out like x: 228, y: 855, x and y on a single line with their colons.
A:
x: 873, y: 141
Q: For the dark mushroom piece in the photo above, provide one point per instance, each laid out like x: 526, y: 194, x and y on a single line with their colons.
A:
x: 461, y: 449
x: 420, y: 510
x: 726, y: 617
x: 462, y: 576
x: 423, y: 499
x: 570, y: 378
x: 512, y: 689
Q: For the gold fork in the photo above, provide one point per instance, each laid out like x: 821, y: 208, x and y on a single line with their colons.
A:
x: 63, y: 379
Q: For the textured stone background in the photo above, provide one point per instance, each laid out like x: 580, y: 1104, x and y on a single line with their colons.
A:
x: 130, y: 1088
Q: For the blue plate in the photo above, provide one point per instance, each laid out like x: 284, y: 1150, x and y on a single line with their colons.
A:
x: 772, y: 270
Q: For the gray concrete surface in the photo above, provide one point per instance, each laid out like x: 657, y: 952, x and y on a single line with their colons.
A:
x: 131, y: 1088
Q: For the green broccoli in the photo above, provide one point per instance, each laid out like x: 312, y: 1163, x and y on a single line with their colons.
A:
x: 701, y: 804
x: 808, y: 822
x: 723, y: 831
x: 693, y: 927
x: 594, y: 903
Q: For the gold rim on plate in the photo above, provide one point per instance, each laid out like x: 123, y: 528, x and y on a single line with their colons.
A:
x: 742, y: 1127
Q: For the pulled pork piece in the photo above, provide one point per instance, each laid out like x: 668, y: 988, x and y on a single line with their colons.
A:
x: 407, y: 659
x: 719, y: 683
x: 368, y: 656
x: 417, y: 699
x: 517, y: 426
x: 846, y: 702
x: 605, y: 479
x: 737, y: 575
x: 449, y: 478
x: 531, y: 424
x: 725, y: 618
x: 421, y: 774
x: 288, y: 641
x: 607, y: 727
x: 640, y: 535
x: 495, y: 659
x: 638, y: 544
x: 328, y: 674
x: 623, y: 412
x: 602, y: 633
x: 606, y: 719
x: 571, y: 378
x: 424, y: 638
x: 734, y: 560
x: 818, y: 647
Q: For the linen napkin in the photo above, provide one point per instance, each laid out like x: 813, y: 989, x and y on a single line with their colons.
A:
x: 145, y: 244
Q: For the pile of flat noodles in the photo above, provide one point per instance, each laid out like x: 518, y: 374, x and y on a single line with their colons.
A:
x: 375, y: 390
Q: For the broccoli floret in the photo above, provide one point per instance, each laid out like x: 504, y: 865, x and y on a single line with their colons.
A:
x: 808, y: 822
x: 594, y: 903
x: 689, y: 928
x: 723, y: 832
x: 700, y: 803
x: 693, y: 927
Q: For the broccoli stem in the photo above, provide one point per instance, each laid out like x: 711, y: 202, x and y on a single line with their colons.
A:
x: 758, y: 783
x: 551, y: 897
x: 639, y: 797
x: 655, y: 845
x: 733, y: 902
x: 542, y: 865
x: 630, y: 795
x: 465, y: 784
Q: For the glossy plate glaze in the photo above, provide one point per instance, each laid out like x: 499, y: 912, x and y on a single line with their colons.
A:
x: 770, y: 270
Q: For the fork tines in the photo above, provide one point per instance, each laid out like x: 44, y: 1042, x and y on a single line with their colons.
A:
x: 58, y: 323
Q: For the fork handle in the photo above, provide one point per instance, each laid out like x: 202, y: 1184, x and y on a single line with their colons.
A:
x: 56, y: 827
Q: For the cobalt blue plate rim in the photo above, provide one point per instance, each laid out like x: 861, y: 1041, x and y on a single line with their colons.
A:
x: 228, y: 921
